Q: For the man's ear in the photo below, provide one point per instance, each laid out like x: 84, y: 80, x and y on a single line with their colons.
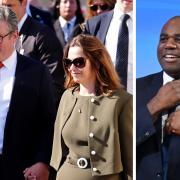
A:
x: 15, y: 35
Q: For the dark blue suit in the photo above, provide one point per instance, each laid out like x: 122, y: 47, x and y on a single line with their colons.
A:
x: 149, y: 149
x: 30, y: 120
x: 41, y: 15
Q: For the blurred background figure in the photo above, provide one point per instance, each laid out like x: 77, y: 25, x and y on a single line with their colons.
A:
x: 115, y: 30
x: 46, y: 5
x: 96, y: 7
x: 69, y: 14
x: 41, y: 10
x: 38, y: 42
x: 93, y: 8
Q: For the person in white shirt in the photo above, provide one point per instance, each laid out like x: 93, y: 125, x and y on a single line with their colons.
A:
x: 27, y: 108
x: 106, y: 27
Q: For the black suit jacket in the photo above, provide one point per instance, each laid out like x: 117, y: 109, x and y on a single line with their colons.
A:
x: 30, y: 120
x: 149, y: 155
x: 41, y: 15
x: 40, y: 42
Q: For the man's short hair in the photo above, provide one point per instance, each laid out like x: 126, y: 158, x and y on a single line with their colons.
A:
x: 7, y: 15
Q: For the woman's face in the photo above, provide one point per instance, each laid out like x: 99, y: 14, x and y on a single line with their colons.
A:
x: 98, y: 7
x: 82, y: 75
x: 67, y: 9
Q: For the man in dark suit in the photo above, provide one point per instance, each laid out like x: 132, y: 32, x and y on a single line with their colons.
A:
x: 106, y: 27
x: 27, y: 108
x: 69, y: 15
x: 158, y: 125
x: 40, y: 15
x: 38, y: 42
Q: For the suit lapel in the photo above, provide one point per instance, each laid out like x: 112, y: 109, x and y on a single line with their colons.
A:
x: 23, y: 33
x: 155, y: 85
x: 105, y: 22
x: 16, y: 93
x: 59, y: 32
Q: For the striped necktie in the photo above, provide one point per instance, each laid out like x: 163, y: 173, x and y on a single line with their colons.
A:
x: 122, y: 51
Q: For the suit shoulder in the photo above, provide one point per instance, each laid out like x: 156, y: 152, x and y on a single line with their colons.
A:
x: 99, y: 17
x: 147, y: 79
x: 27, y: 61
x: 39, y: 27
x: 122, y: 95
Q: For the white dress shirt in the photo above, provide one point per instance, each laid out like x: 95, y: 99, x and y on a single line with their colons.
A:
x: 166, y: 79
x: 63, y: 23
x: 7, y: 77
x: 112, y: 41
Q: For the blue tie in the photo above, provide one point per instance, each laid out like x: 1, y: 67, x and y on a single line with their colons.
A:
x: 122, y: 51
x: 67, y: 31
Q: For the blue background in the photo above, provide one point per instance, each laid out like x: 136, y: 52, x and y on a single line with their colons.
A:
x: 150, y: 17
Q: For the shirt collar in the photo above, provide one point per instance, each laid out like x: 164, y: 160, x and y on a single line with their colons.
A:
x: 28, y: 11
x: 118, y: 13
x: 166, y: 78
x: 11, y: 61
x: 63, y: 22
x: 21, y: 22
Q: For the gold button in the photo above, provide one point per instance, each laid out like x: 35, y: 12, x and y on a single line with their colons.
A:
x: 92, y: 100
x: 91, y: 135
x: 92, y: 117
x: 94, y: 169
x: 93, y: 152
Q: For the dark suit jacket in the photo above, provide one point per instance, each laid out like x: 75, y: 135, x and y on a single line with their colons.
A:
x: 149, y: 156
x: 60, y: 33
x: 40, y: 43
x: 30, y: 120
x: 41, y: 15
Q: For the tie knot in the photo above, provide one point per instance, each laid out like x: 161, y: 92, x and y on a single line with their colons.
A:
x: 1, y: 64
x: 125, y: 18
x: 68, y: 24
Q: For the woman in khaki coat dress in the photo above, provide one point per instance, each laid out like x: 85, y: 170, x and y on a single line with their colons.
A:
x: 93, y: 129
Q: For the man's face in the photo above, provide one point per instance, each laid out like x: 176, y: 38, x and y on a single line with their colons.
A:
x: 7, y: 42
x: 16, y: 6
x: 169, y: 48
x: 67, y: 9
x: 125, y: 5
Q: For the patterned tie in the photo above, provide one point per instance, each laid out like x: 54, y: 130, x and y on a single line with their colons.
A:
x: 67, y: 31
x: 122, y: 51
x: 1, y: 64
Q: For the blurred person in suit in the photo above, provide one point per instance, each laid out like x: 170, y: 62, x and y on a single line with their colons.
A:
x: 41, y: 11
x: 157, y: 111
x: 69, y: 15
x: 93, y: 128
x: 107, y: 27
x: 38, y: 42
x: 96, y: 7
x: 27, y: 108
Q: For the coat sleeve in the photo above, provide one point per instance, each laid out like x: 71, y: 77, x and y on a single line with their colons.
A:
x: 126, y: 136
x: 47, y: 115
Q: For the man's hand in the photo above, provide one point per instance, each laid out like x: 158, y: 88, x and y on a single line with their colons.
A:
x: 168, y: 96
x: 173, y: 123
x: 38, y: 171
